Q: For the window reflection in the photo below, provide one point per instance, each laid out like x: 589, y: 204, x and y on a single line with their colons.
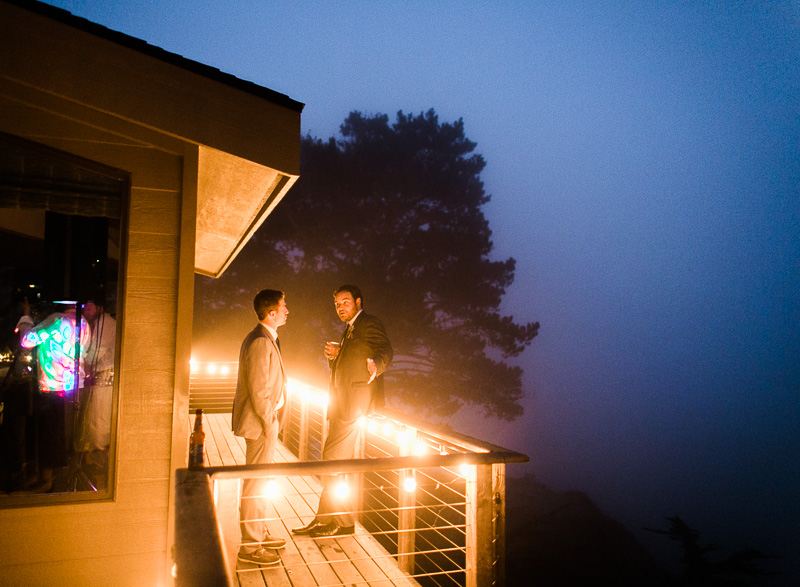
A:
x: 59, y: 236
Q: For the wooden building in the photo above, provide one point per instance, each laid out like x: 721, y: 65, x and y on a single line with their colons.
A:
x: 193, y: 160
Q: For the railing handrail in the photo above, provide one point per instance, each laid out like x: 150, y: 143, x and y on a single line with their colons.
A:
x: 199, y: 556
x: 453, y: 437
x: 474, y: 473
x: 457, y: 438
x: 364, y: 465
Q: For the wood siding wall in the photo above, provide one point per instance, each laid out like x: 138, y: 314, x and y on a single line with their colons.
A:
x: 123, y: 542
x: 84, y: 90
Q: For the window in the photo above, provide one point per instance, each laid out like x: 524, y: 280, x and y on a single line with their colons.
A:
x: 61, y: 221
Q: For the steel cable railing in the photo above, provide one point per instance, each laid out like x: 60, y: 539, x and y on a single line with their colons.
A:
x: 433, y: 500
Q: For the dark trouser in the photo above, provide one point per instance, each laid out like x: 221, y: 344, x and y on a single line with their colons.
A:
x: 340, y: 444
x: 51, y: 430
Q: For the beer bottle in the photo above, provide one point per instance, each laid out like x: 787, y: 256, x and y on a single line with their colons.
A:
x: 197, y: 442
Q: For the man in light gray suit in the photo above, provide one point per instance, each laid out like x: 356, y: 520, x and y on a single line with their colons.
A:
x: 257, y: 407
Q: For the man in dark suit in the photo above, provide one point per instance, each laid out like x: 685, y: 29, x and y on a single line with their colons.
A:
x: 357, y: 364
x: 260, y: 397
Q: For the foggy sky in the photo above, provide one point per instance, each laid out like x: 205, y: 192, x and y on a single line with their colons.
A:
x: 643, y: 164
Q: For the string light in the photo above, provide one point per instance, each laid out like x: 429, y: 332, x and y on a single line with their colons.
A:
x: 342, y: 490
x: 272, y: 490
x: 420, y: 448
x: 305, y: 393
x: 406, y: 438
x: 403, y: 438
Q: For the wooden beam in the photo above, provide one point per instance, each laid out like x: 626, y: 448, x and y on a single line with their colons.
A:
x: 499, y: 502
x: 364, y: 465
x: 480, y: 531
x: 199, y: 556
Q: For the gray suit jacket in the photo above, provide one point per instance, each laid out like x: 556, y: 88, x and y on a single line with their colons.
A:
x: 260, y: 384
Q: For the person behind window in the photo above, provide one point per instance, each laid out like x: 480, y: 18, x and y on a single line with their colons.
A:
x: 54, y: 340
x: 99, y: 365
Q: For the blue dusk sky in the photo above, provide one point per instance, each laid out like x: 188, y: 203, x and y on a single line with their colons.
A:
x: 643, y: 162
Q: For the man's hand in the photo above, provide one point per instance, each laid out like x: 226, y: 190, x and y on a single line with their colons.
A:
x: 331, y: 350
x: 373, y: 370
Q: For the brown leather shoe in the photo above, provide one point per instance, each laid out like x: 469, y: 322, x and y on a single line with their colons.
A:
x: 332, y: 529
x: 260, y: 556
x: 273, y: 542
x: 308, y: 528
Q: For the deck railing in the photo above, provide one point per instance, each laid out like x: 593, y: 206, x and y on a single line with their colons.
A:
x: 434, y: 500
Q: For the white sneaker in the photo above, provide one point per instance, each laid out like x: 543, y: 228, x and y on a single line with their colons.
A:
x: 260, y: 556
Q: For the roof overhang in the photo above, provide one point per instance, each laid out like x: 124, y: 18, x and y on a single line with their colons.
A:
x: 234, y: 197
x: 246, y: 138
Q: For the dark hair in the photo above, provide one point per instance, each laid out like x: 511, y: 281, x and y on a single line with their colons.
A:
x: 265, y: 301
x: 352, y: 290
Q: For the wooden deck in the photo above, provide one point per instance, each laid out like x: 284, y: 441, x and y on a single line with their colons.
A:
x: 305, y: 562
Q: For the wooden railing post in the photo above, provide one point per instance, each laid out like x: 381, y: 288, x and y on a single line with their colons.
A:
x: 358, y: 480
x: 406, y: 504
x: 499, y: 502
x: 406, y: 523
x: 303, y: 434
x: 325, y: 427
x: 484, y: 561
x: 283, y: 433
x: 480, y: 527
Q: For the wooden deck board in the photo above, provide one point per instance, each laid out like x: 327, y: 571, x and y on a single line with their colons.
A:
x: 305, y: 561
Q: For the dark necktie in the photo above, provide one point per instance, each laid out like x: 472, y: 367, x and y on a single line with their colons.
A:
x: 278, y: 343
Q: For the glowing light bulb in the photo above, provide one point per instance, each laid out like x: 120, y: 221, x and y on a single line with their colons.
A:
x: 403, y: 438
x: 211, y: 369
x: 224, y: 370
x: 420, y: 448
x: 272, y: 490
x: 410, y: 484
x: 342, y: 490
x: 386, y: 429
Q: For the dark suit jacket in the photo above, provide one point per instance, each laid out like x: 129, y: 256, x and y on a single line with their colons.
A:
x: 350, y: 395
x: 260, y: 384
